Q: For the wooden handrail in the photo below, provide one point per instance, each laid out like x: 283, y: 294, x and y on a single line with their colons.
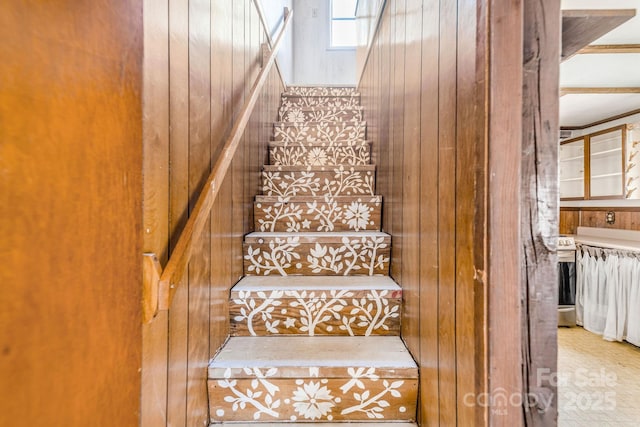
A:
x: 164, y: 283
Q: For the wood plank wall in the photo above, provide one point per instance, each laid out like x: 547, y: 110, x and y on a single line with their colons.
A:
x: 444, y: 112
x: 201, y: 59
x: 418, y: 90
x: 70, y: 221
x: 571, y: 218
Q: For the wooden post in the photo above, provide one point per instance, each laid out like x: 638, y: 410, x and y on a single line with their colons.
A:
x: 539, y: 210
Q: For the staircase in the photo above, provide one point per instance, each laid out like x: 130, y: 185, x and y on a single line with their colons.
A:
x: 315, y: 322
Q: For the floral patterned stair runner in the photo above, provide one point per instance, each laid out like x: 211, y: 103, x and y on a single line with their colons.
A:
x: 315, y: 322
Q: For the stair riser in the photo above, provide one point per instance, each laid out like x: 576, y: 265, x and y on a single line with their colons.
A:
x: 359, y: 256
x: 321, y: 101
x: 318, y: 399
x: 320, y: 156
x: 301, y: 115
x: 294, y: 215
x: 311, y: 313
x: 328, y: 132
x: 333, y: 182
x: 319, y: 91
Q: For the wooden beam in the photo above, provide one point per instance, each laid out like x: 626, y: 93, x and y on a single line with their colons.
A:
x: 597, y: 90
x: 582, y: 27
x: 605, y: 120
x: 610, y: 48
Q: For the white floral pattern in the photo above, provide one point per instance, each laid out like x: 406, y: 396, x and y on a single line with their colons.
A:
x: 312, y: 313
x: 319, y: 155
x: 340, y: 181
x: 367, y: 255
x: 321, y: 114
x: 321, y: 214
x: 313, y: 401
x: 346, y: 101
x: 257, y: 392
x: 319, y: 91
x: 321, y: 131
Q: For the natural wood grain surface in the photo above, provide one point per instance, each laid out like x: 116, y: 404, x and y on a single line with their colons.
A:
x: 582, y: 27
x: 197, y: 91
x: 571, y: 218
x: 71, y: 222
x: 457, y: 213
x: 539, y: 208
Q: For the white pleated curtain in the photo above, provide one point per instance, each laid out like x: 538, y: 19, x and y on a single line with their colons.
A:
x: 608, y: 292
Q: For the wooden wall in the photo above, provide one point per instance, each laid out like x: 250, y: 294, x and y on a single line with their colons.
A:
x: 201, y: 59
x: 71, y: 223
x: 417, y: 107
x: 571, y: 218
x: 443, y: 96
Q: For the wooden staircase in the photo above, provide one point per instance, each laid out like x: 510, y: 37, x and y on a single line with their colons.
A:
x: 315, y: 322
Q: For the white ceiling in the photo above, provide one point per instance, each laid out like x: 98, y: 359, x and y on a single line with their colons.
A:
x: 602, y: 70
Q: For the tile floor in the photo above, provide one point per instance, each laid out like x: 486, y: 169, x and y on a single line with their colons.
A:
x: 598, y: 381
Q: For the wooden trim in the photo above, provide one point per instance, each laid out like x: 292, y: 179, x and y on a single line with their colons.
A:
x: 610, y: 48
x: 371, y: 40
x: 600, y: 122
x: 263, y: 19
x: 601, y: 208
x: 151, y: 271
x: 503, y: 197
x: 172, y: 274
x: 597, y: 90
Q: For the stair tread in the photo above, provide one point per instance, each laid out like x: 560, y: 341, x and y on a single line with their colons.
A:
x: 299, y: 353
x: 284, y: 283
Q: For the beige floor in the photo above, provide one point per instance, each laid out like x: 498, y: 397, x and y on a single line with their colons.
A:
x: 598, y: 381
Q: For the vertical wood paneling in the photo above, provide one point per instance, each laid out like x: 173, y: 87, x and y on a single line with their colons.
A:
x: 155, y: 122
x: 221, y: 114
x: 411, y: 176
x: 454, y: 230
x: 178, y: 203
x: 71, y: 201
x: 447, y: 87
x: 397, y: 139
x: 429, y: 270
x: 210, y: 53
x: 470, y: 211
x: 199, y: 169
x: 571, y: 218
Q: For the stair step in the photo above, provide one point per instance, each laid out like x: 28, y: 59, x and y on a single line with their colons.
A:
x: 325, y: 424
x: 320, y: 90
x: 287, y: 181
x: 323, y: 305
x: 319, y: 131
x: 340, y: 101
x: 389, y: 423
x: 313, y: 379
x: 361, y: 253
x: 320, y: 114
x: 306, y: 213
x: 319, y: 154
